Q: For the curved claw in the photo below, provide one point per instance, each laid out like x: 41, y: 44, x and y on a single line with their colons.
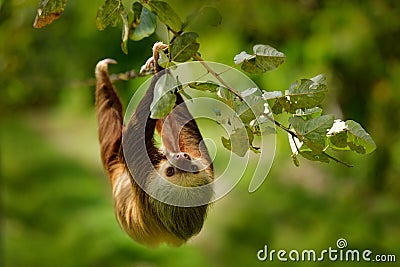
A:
x: 102, y: 65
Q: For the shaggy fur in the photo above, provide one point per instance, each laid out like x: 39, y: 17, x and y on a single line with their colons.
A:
x: 141, y: 167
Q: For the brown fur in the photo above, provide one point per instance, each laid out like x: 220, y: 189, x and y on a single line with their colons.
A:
x: 144, y: 218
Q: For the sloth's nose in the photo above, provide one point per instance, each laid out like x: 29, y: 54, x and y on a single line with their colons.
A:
x: 183, y: 162
x: 180, y: 156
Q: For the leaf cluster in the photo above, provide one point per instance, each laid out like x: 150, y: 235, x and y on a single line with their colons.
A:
x: 312, y: 135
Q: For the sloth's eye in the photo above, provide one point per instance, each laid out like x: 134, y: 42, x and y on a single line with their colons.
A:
x: 170, y: 171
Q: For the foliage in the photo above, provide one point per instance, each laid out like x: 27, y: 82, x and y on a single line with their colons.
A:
x: 312, y: 133
x: 48, y: 11
x: 55, y: 197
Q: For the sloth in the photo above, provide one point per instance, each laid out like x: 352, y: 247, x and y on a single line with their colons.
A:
x: 155, y: 188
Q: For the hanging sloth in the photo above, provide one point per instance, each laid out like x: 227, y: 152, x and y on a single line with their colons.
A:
x: 148, y: 181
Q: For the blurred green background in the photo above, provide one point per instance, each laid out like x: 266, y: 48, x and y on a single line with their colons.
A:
x: 56, y: 206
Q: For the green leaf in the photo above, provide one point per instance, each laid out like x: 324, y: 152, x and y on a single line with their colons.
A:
x: 268, y: 95
x: 350, y: 135
x: 164, y: 61
x: 109, y: 14
x: 285, y: 105
x: 184, y: 47
x: 241, y: 57
x: 224, y: 94
x: 307, y: 93
x: 313, y: 131
x: 277, y: 107
x: 296, y: 161
x: 226, y: 143
x: 250, y: 108
x: 262, y: 129
x: 311, y: 155
x: 166, y: 14
x: 144, y: 23
x: 302, y: 98
x: 358, y: 139
x: 125, y: 31
x: 238, y: 142
x: 309, y: 113
x: 338, y: 141
x: 265, y: 58
x: 48, y: 11
x: 164, y: 98
x: 204, y: 86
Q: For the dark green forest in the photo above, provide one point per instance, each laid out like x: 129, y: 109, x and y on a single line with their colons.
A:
x: 56, y: 205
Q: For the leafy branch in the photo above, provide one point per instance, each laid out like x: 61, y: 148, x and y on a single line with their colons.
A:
x: 311, y: 134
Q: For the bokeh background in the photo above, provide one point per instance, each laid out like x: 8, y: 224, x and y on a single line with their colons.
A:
x: 56, y: 206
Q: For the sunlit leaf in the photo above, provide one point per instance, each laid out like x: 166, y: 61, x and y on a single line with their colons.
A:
x: 350, y: 135
x: 313, y: 156
x: 267, y: 95
x: 204, y: 86
x: 251, y: 108
x: 109, y: 14
x: 300, y: 148
x: 320, y: 78
x: 309, y: 113
x: 338, y: 141
x: 359, y: 140
x: 184, y: 47
x: 48, y: 11
x: 307, y: 93
x: 240, y: 58
x: 144, y: 23
x: 265, y: 58
x: 164, y: 98
x: 238, y: 142
x: 125, y: 31
x: 314, y: 130
x: 166, y: 14
x: 164, y: 61
x: 226, y: 95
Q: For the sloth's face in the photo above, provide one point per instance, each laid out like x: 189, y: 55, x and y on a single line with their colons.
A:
x: 183, y: 170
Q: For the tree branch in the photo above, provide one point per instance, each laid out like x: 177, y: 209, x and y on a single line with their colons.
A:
x: 216, y: 75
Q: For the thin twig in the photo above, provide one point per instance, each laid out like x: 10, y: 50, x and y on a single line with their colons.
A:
x: 124, y: 76
x: 337, y: 160
x: 293, y: 134
x: 216, y: 75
